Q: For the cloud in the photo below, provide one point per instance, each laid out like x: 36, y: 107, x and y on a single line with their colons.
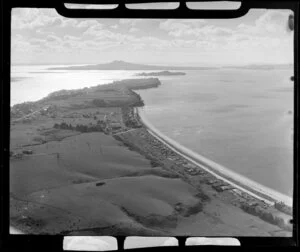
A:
x: 262, y: 39
x: 194, y: 29
x: 69, y: 37
x: 23, y: 46
x: 114, y: 26
x: 130, y: 22
x: 31, y: 18
x: 68, y: 22
x: 88, y: 23
x: 138, y: 46
x: 179, y: 28
x: 137, y: 23
x: 36, y: 41
x: 53, y: 38
x: 43, y: 32
x: 272, y: 22
x: 18, y: 43
x: 94, y: 30
x: 153, y: 42
x: 181, y: 43
x: 133, y: 29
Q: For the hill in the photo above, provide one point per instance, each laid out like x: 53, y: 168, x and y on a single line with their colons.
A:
x: 123, y: 65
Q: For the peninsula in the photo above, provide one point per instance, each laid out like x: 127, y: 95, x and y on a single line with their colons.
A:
x: 84, y: 162
x: 161, y: 73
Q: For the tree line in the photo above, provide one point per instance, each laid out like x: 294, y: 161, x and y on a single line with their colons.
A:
x: 79, y: 127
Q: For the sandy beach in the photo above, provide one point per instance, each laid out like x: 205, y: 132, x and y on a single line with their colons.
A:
x: 249, y: 186
x: 84, y: 162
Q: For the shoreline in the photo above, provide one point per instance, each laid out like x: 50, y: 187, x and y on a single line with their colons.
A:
x: 113, y: 110
x: 248, y: 186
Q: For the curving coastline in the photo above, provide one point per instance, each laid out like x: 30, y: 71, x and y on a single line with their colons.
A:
x: 82, y: 127
x: 244, y: 184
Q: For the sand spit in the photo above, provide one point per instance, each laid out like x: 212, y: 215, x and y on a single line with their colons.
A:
x: 82, y: 163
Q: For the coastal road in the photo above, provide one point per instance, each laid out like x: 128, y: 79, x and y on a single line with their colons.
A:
x: 123, y: 132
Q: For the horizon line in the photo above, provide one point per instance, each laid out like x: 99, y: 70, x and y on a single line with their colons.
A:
x: 159, y: 64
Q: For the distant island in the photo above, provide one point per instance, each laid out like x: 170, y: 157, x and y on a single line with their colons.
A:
x: 262, y: 66
x: 161, y: 73
x: 123, y: 65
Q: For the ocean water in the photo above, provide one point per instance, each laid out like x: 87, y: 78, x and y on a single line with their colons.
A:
x: 239, y: 118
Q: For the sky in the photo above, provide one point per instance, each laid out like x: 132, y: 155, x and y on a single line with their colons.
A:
x: 42, y: 36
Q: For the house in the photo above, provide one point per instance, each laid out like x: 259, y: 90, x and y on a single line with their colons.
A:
x: 220, y: 186
x: 218, y: 183
x: 115, y: 126
x: 211, y: 181
x: 27, y: 152
x: 18, y: 155
x: 189, y: 165
x: 226, y: 187
x: 237, y: 191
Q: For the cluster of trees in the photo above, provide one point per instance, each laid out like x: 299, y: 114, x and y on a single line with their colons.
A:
x: 265, y: 215
x: 129, y: 119
x: 136, y: 84
x: 138, y: 101
x: 99, y: 103
x: 154, y: 163
x: 79, y: 127
x: 280, y: 206
x: 23, y: 108
x: 63, y: 94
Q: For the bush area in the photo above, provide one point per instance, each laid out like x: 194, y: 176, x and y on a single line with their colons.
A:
x: 265, y: 215
x: 154, y: 163
x: 99, y: 103
x: 137, y: 84
x: 138, y: 100
x: 22, y: 109
x: 129, y: 118
x: 280, y: 206
x: 193, y: 209
x: 79, y: 127
x: 63, y: 94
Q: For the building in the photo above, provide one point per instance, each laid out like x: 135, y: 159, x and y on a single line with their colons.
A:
x: 226, y: 187
x: 27, y: 152
x: 189, y: 165
x: 115, y: 127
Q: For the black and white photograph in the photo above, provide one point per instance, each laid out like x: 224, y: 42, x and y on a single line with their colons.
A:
x: 151, y: 126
